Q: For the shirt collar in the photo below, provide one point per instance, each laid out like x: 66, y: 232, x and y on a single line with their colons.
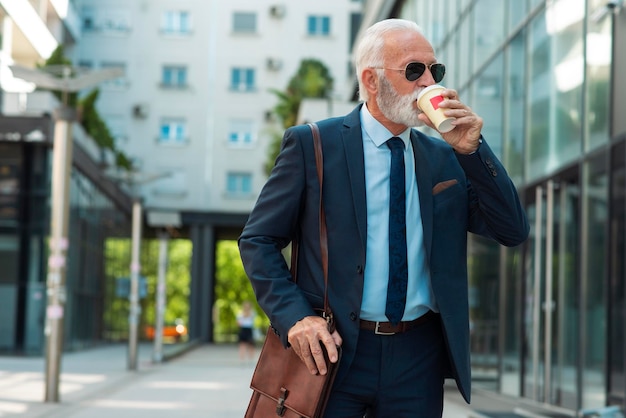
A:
x: 377, y: 132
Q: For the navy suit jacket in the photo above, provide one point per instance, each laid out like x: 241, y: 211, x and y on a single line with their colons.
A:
x: 458, y: 194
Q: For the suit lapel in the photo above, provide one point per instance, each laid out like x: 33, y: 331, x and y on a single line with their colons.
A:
x: 424, y: 188
x: 352, y: 138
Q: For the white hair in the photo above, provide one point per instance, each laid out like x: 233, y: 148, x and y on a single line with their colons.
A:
x: 369, y: 52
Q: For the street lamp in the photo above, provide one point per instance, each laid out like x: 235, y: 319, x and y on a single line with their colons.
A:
x: 67, y: 80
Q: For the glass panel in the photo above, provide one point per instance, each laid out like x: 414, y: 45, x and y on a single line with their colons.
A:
x: 514, y: 109
x: 326, y: 25
x: 534, y: 277
x: 617, y: 300
x: 487, y: 102
x: 484, y: 289
x: 10, y: 172
x: 535, y: 3
x: 594, y: 284
x: 437, y: 23
x: 9, y: 257
x: 564, y: 302
x: 451, y: 79
x: 318, y: 25
x: 551, y: 311
x: 241, y: 132
x: 488, y: 19
x: 249, y: 79
x: 465, y: 57
x: 244, y: 22
x: 555, y: 90
x: 184, y: 22
x: 235, y: 78
x: 311, y: 25
x: 511, y: 293
x: 598, y: 59
x: 452, y: 9
x: 518, y: 9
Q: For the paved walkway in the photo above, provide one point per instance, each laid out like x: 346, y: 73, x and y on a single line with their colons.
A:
x: 203, y: 381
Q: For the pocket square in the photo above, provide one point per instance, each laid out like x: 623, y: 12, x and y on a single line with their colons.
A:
x: 440, y: 187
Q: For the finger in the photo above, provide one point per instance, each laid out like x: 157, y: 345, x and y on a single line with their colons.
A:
x: 337, y: 338
x: 318, y: 357
x: 308, y: 359
x: 330, y: 345
x: 450, y: 94
x: 463, y: 116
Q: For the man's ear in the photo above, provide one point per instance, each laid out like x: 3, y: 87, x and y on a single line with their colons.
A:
x: 369, y: 77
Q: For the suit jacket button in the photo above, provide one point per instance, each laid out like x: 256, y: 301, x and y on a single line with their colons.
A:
x: 353, y: 316
x: 359, y: 269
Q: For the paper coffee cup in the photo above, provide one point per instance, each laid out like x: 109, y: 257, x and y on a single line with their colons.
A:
x: 428, y: 102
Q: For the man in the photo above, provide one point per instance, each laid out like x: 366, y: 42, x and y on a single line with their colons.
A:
x: 390, y: 367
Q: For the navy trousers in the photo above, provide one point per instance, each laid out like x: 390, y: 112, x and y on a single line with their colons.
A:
x: 394, y: 376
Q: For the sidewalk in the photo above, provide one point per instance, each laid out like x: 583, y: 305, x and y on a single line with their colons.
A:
x: 204, y: 381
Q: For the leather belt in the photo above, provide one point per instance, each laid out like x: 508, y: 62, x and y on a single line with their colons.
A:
x: 387, y: 328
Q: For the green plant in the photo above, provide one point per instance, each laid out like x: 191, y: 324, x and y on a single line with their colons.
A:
x: 312, y: 80
x: 90, y: 119
x: 232, y: 288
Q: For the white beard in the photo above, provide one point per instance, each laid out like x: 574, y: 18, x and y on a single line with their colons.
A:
x: 398, y: 108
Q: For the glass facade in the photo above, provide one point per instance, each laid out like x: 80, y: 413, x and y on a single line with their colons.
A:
x: 547, y: 317
x: 94, y: 219
x: 24, y: 230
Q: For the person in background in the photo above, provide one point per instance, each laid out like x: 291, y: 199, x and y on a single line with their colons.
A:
x: 399, y: 205
x: 245, y: 320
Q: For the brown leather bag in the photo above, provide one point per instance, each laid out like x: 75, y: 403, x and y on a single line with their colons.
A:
x: 282, y: 385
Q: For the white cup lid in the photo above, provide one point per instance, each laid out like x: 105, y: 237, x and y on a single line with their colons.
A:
x: 429, y: 88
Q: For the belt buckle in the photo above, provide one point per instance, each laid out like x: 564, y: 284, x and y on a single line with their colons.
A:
x: 377, y: 331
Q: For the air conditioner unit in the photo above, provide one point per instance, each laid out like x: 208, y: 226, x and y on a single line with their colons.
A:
x: 278, y: 11
x: 140, y: 111
x: 274, y: 64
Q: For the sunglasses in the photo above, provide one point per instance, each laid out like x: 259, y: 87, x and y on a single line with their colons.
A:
x: 414, y: 70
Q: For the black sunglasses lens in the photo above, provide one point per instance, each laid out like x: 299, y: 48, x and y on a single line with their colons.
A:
x: 438, y: 71
x: 414, y: 70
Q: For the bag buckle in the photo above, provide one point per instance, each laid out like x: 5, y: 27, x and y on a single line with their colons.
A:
x: 377, y: 330
x: 280, y: 405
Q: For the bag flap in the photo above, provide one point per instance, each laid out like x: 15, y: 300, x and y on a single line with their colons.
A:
x: 282, y: 376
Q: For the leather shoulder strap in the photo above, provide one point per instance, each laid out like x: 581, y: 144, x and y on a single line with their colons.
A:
x: 319, y: 163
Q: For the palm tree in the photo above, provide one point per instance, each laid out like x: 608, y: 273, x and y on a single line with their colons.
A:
x: 312, y: 80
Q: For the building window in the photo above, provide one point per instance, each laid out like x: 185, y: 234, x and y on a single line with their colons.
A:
x: 242, y: 79
x: 120, y: 82
x: 244, y: 22
x: 174, y: 76
x: 241, y: 133
x: 239, y: 184
x: 117, y: 21
x: 173, y: 131
x: 176, y: 22
x: 318, y: 25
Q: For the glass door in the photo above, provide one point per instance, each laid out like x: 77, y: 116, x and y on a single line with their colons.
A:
x: 550, y: 308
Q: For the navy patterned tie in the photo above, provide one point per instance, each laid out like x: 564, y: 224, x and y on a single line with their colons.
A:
x: 398, y: 268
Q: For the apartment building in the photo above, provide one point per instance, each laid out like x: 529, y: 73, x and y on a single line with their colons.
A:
x: 195, y: 107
